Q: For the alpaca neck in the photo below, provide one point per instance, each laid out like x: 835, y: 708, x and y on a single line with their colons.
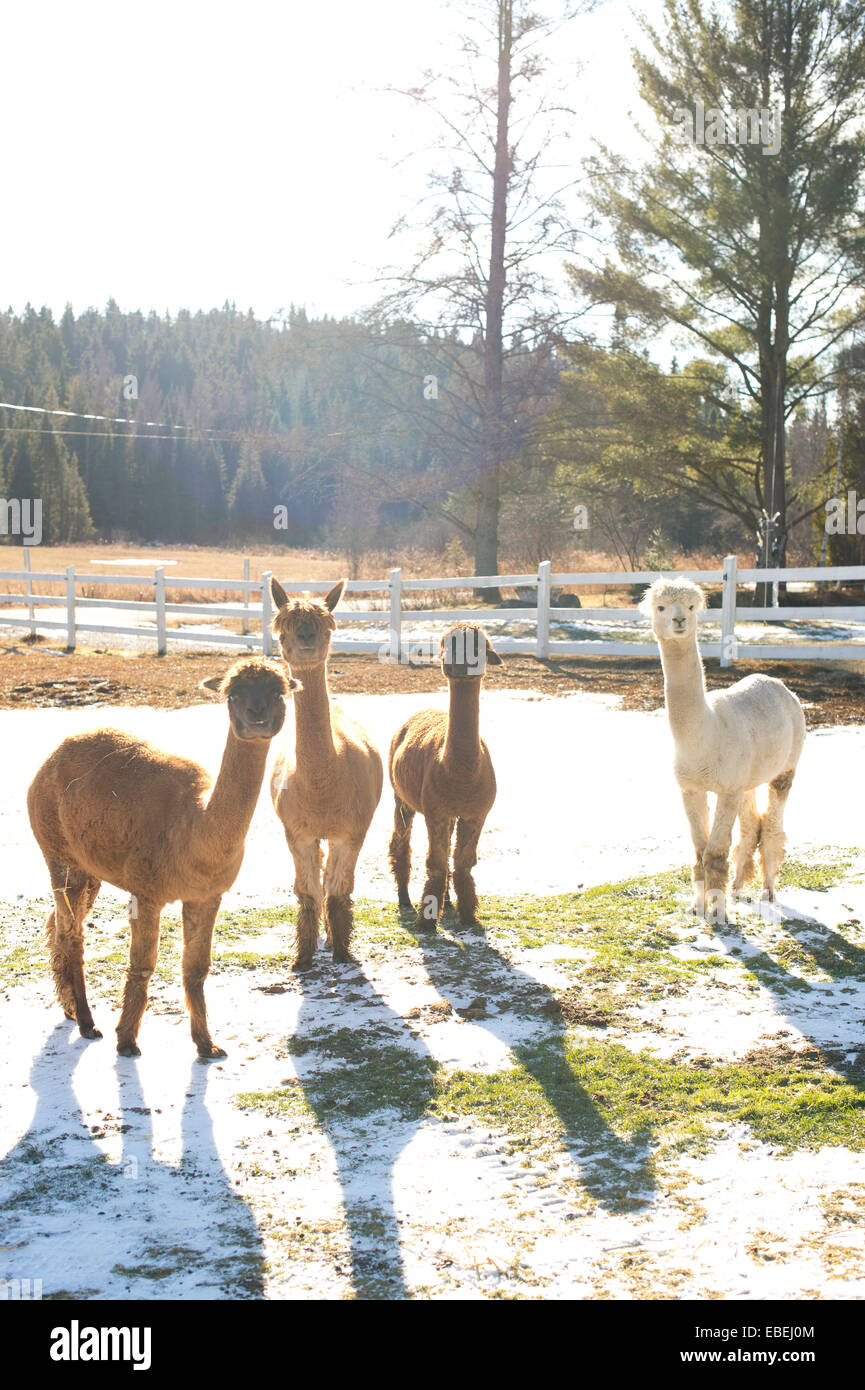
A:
x: 230, y: 806
x: 462, y: 742
x: 684, y: 686
x: 314, y: 733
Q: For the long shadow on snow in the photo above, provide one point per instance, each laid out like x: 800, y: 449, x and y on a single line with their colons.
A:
x: 795, y: 999
x: 369, y: 1089
x: 84, y: 1223
x: 616, y: 1172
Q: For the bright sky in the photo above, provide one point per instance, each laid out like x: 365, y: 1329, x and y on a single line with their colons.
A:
x: 179, y: 155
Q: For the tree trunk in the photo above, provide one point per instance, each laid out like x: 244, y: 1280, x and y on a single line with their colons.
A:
x: 487, y: 537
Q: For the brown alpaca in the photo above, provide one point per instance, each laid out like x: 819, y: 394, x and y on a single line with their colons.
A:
x: 441, y: 767
x: 326, y: 782
x: 106, y: 806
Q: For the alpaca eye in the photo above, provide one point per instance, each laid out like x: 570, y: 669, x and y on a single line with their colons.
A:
x: 692, y: 607
x: 660, y: 608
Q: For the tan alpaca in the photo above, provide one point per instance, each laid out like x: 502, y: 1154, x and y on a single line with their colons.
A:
x: 729, y: 743
x: 326, y: 781
x: 109, y: 807
x: 440, y: 767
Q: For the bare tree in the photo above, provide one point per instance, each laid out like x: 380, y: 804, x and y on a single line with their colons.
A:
x: 477, y: 295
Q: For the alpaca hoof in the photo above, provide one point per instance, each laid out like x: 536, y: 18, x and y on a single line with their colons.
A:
x: 343, y: 958
x: 209, y: 1052
x: 91, y: 1032
x: 768, y: 895
x: 128, y: 1049
x: 405, y: 901
x: 425, y: 925
x: 303, y: 963
x: 470, y: 922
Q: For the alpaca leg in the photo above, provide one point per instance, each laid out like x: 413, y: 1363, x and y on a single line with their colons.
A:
x: 465, y: 858
x: 772, y: 837
x: 307, y: 885
x: 696, y: 805
x: 74, y: 895
x: 749, y: 838
x: 716, y: 857
x: 399, y: 851
x: 143, y: 950
x: 198, y: 920
x: 451, y: 826
x: 338, y: 887
x: 432, y: 900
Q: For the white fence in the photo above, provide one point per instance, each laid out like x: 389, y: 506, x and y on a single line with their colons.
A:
x: 257, y: 609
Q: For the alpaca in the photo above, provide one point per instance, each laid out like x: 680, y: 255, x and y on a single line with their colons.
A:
x: 441, y: 767
x: 326, y: 783
x: 107, y: 806
x: 729, y: 743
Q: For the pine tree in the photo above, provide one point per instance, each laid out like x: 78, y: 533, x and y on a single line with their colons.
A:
x: 750, y: 244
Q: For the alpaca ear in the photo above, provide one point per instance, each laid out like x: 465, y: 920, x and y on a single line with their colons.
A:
x: 280, y: 597
x: 645, y: 604
x: 212, y: 683
x: 333, y: 598
x: 493, y: 658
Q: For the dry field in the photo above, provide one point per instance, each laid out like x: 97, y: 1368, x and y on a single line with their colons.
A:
x: 212, y: 562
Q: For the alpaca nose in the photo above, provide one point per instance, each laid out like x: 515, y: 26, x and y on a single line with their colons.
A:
x: 306, y: 632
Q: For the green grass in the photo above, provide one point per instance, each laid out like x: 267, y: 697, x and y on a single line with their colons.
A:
x: 627, y: 1104
x: 574, y: 1080
x: 575, y: 1083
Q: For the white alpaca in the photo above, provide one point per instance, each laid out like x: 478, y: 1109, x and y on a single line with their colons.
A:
x: 729, y: 743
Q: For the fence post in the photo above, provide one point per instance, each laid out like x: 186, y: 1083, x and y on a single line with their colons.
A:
x: 70, y: 607
x: 728, y: 611
x: 544, y: 587
x: 245, y: 626
x: 395, y: 619
x: 266, y: 614
x: 28, y: 587
x: 159, y: 586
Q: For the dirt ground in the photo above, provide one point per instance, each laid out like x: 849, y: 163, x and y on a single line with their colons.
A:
x: 45, y: 675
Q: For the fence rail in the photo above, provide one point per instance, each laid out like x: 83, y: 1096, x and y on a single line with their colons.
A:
x: 256, y: 620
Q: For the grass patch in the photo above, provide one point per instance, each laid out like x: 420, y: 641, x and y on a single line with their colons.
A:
x: 604, y: 1093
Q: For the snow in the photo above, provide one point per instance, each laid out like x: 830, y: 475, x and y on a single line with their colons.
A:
x: 146, y: 1179
x: 585, y: 791
x: 415, y: 631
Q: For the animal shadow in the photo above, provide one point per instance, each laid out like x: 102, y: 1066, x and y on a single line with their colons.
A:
x: 795, y: 999
x: 526, y: 1017
x: 350, y: 1075
x: 370, y: 1082
x: 138, y: 1228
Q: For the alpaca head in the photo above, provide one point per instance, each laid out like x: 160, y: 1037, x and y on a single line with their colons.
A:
x: 466, y: 651
x: 255, y: 691
x: 303, y: 625
x: 673, y: 606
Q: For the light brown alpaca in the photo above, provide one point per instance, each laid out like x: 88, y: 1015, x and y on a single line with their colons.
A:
x: 440, y: 766
x: 326, y: 781
x: 106, y: 806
